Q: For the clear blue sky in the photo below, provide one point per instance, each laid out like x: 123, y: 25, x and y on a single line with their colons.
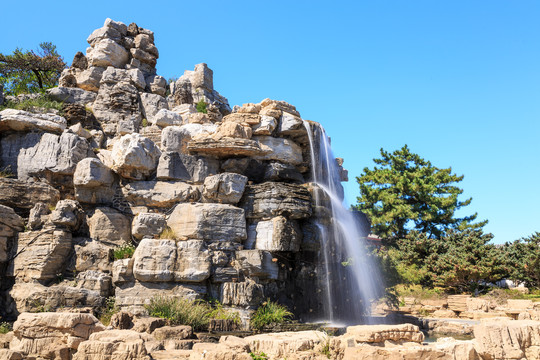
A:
x: 458, y: 81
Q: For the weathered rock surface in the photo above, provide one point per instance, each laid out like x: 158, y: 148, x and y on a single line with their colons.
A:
x: 277, y: 234
x: 71, y: 95
x: 175, y: 166
x: 109, y: 226
x: 507, y: 339
x: 160, y: 193
x: 279, y: 149
x: 92, y: 255
x: 226, y: 147
x: 134, y: 156
x: 117, y: 108
x: 22, y: 195
x: 164, y: 118
x: 41, y: 254
x: 264, y: 201
x: 226, y: 188
x: 176, y: 138
x: 20, y: 120
x: 209, y: 222
x: 148, y: 224
x: 67, y: 214
x: 244, y: 294
x: 114, y: 345
x: 282, y: 344
x: 91, y: 172
x: 52, y: 335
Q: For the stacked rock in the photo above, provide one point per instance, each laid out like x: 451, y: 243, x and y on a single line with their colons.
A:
x: 214, y: 203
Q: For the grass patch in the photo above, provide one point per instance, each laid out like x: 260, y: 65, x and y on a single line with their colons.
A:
x: 168, y: 234
x: 124, y: 252
x: 42, y: 101
x: 180, y: 311
x: 108, y: 311
x: 195, y: 313
x: 6, y: 172
x: 258, y: 356
x: 5, y: 327
x: 500, y: 296
x: 419, y: 292
x: 270, y: 313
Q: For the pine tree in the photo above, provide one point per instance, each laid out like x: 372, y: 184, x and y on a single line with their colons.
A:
x: 406, y: 192
x: 29, y: 71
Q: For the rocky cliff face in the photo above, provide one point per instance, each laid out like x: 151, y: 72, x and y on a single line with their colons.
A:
x: 216, y: 202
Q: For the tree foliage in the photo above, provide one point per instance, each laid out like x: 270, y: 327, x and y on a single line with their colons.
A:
x: 521, y: 260
x: 29, y: 71
x: 405, y: 192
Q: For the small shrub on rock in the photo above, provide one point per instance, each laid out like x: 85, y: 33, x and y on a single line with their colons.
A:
x: 5, y: 327
x: 270, y: 313
x: 124, y: 252
x: 178, y: 311
x: 201, y: 107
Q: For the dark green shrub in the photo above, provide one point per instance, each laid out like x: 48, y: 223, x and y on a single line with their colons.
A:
x: 201, y: 107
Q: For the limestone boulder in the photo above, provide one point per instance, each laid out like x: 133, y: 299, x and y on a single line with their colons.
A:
x: 114, y: 345
x: 226, y: 188
x: 284, y: 344
x: 265, y: 127
x: 382, y: 333
x: 208, y: 222
x: 148, y: 224
x: 154, y: 260
x: 122, y: 271
x: 279, y: 149
x: 176, y: 138
x: 10, y: 224
x: 117, y: 108
x: 248, y: 118
x: 258, y: 263
x: 276, y: 171
x: 133, y: 76
x: 232, y: 130
x: 276, y: 234
x: 70, y: 95
x: 290, y: 124
x: 193, y: 261
x: 20, y: 120
x: 164, y: 118
x: 157, y: 84
x: 507, y: 339
x: 22, y: 195
x: 176, y: 166
x: 279, y: 105
x: 152, y: 104
x: 92, y: 255
x: 134, y: 156
x: 107, y: 52
x: 109, y: 226
x: 52, y: 335
x: 247, y: 294
x: 91, y: 172
x: 270, y: 199
x: 227, y: 147
x: 41, y: 254
x: 160, y: 193
x: 68, y: 214
x: 96, y: 281
x: 89, y: 79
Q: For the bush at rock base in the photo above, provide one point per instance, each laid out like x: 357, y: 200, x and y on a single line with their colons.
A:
x: 124, y: 252
x: 270, y: 313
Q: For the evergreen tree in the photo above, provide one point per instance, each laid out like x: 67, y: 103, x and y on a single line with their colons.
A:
x: 29, y: 71
x: 406, y: 192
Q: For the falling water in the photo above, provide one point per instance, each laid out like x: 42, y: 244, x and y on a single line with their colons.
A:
x: 350, y: 278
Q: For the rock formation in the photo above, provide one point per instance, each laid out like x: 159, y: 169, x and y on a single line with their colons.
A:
x: 215, y: 201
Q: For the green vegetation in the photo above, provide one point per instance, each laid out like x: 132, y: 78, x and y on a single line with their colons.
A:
x: 41, y: 102
x: 124, y: 251
x: 29, y: 71
x: 144, y: 123
x: 5, y: 327
x: 269, y: 313
x: 195, y: 313
x: 408, y: 193
x: 258, y: 356
x: 108, y: 311
x: 201, y: 107
x: 412, y: 205
x: 6, y: 172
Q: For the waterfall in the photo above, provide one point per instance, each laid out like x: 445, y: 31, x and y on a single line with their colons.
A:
x: 347, y: 273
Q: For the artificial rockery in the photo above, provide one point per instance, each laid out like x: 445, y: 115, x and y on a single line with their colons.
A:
x: 217, y: 201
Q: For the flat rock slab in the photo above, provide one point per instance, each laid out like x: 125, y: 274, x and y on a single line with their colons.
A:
x: 226, y: 147
x: 160, y: 193
x: 211, y: 222
x: 20, y: 120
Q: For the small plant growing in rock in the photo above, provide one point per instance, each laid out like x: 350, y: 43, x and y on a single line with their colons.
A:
x: 201, y: 107
x: 219, y: 313
x: 270, y: 313
x: 168, y: 234
x: 124, y: 251
x: 6, y: 172
x: 258, y: 356
x: 180, y: 311
x: 144, y: 123
x: 108, y: 311
x: 5, y: 327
